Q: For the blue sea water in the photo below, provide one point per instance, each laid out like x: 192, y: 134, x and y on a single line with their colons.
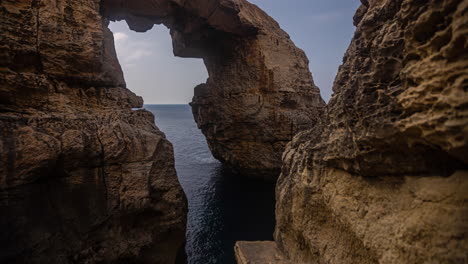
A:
x: 223, y: 207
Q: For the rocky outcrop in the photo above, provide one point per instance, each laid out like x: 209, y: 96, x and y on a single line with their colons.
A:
x: 259, y: 93
x: 383, y: 177
x: 83, y: 177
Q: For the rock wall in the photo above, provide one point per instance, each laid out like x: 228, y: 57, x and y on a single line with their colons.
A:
x: 83, y: 177
x: 259, y: 93
x: 383, y: 177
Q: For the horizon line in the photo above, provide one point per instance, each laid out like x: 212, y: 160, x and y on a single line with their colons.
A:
x: 166, y: 104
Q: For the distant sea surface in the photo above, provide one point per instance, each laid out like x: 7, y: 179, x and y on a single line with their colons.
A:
x: 223, y: 207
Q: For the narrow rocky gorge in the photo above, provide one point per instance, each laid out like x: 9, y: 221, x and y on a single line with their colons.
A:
x: 85, y: 175
x: 383, y: 177
x: 379, y: 175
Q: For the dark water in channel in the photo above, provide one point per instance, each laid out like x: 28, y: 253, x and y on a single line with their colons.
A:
x: 223, y: 207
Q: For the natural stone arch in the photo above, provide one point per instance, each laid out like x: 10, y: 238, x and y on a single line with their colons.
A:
x: 73, y: 148
x: 259, y: 93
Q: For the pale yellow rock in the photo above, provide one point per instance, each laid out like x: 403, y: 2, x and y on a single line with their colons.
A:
x: 259, y: 252
x: 383, y: 177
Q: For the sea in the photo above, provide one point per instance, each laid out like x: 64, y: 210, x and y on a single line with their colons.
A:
x: 223, y: 207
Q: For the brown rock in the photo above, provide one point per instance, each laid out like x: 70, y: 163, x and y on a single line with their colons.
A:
x: 259, y: 93
x: 259, y: 252
x: 382, y: 178
x: 83, y: 178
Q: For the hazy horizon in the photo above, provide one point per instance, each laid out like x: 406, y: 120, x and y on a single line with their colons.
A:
x: 322, y: 28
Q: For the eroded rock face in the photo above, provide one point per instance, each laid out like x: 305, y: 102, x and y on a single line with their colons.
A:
x: 382, y: 178
x: 83, y: 178
x: 259, y: 93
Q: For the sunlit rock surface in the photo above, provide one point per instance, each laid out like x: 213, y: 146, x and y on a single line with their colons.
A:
x: 83, y: 178
x: 383, y: 178
x: 259, y: 93
x: 259, y: 252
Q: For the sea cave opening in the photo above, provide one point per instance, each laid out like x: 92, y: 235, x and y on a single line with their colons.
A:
x: 258, y: 95
x: 223, y: 207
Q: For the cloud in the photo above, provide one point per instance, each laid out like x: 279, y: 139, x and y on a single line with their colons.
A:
x: 138, y: 54
x: 130, y: 50
x: 120, y: 36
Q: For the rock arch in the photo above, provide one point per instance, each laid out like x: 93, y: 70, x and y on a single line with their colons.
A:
x: 259, y: 93
x: 83, y: 177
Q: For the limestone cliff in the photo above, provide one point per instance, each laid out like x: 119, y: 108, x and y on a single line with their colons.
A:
x: 259, y: 93
x: 83, y: 177
x: 383, y: 177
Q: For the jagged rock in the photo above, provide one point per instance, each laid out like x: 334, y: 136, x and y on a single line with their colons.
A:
x: 259, y: 93
x: 383, y: 177
x: 83, y: 178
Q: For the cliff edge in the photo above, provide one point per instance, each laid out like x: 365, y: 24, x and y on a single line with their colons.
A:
x: 83, y: 177
x: 383, y: 177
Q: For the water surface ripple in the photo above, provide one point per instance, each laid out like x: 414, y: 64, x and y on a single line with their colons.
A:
x: 223, y: 207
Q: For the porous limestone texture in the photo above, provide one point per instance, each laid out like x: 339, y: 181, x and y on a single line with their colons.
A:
x: 83, y: 177
x: 383, y: 177
x: 259, y: 93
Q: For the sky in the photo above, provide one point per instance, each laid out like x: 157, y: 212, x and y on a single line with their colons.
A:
x: 322, y: 28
